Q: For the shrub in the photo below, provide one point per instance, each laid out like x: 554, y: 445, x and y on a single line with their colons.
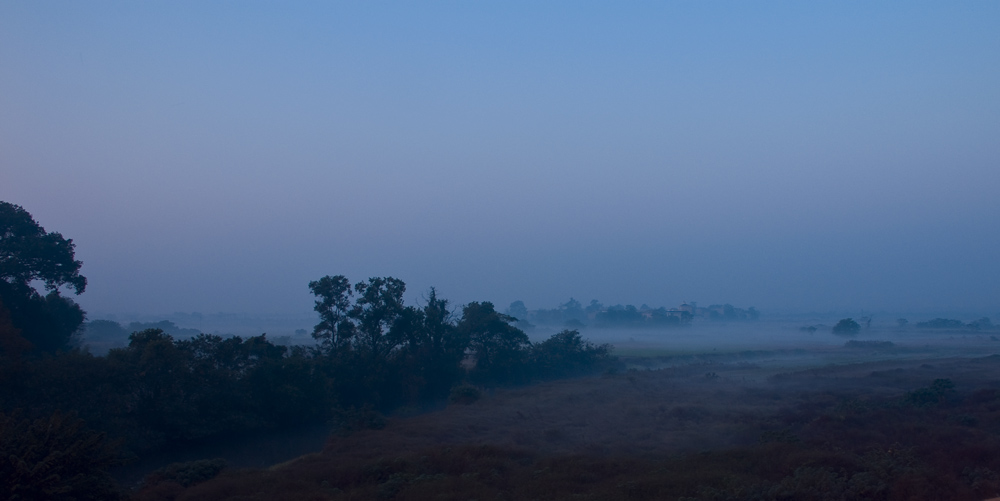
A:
x: 567, y: 354
x: 846, y: 327
x: 465, y: 394
x: 936, y: 393
x: 348, y: 421
x: 54, y: 457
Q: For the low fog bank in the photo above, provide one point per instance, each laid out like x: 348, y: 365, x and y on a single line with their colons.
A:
x: 807, y: 331
x: 108, y: 331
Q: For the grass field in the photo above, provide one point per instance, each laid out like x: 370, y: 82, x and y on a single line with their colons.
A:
x: 917, y: 420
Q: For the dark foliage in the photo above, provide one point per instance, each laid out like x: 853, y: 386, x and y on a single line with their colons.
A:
x: 937, y: 393
x: 347, y: 421
x: 374, y: 354
x: 500, y: 351
x: 566, y: 354
x: 847, y: 327
x: 166, y: 326
x: 54, y: 457
x: 48, y: 323
x: 29, y: 254
x: 159, y: 391
x: 620, y: 316
x: 464, y: 394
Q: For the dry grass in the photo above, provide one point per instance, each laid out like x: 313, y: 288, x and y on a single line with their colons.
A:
x: 700, y: 431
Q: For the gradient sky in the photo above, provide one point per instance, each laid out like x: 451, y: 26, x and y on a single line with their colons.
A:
x: 217, y: 156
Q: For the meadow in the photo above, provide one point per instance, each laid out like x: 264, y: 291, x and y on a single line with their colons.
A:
x: 917, y: 417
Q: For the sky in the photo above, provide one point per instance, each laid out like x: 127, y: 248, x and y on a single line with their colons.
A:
x: 792, y: 156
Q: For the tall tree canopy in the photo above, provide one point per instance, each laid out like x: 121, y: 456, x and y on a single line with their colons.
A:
x: 29, y: 254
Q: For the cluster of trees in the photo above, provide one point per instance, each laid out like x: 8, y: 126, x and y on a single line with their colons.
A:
x: 159, y: 390
x: 373, y: 352
x: 572, y: 314
x: 392, y: 353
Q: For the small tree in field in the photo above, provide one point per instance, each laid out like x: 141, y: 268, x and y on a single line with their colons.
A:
x: 847, y: 327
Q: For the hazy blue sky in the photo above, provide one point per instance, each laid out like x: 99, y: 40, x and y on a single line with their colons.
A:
x: 216, y: 156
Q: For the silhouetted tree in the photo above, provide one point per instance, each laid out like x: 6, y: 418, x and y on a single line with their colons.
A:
x: 499, y: 349
x: 518, y: 310
x: 335, y: 331
x: 847, y: 326
x: 447, y: 347
x: 379, y: 305
x: 430, y: 357
x: 30, y: 254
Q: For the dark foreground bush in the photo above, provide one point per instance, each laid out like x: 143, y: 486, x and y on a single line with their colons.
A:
x: 347, y: 421
x: 54, y: 458
x: 464, y: 394
x: 936, y: 393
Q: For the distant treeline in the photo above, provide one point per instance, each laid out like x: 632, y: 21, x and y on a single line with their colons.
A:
x: 573, y: 314
x: 109, y: 330
x: 983, y: 324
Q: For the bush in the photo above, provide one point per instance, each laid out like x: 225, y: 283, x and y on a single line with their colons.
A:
x: 847, y: 327
x: 567, y: 354
x: 938, y: 391
x: 54, y: 458
x: 465, y: 394
x: 354, y: 419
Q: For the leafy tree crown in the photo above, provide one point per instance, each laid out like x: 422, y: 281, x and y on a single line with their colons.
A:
x: 29, y: 253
